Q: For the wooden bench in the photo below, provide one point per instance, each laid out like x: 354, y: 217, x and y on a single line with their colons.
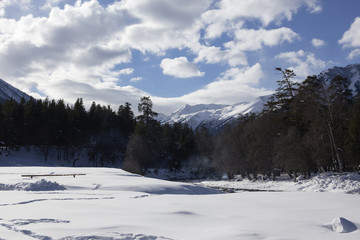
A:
x: 53, y: 175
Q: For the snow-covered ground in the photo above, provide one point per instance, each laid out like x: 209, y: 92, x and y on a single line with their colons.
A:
x: 109, y: 203
x: 324, y: 182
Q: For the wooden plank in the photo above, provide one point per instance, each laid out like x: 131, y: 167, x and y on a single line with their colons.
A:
x: 53, y: 175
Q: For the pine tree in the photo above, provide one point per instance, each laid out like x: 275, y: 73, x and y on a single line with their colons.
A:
x: 126, y: 119
x: 284, y: 93
x: 145, y: 107
x: 144, y: 148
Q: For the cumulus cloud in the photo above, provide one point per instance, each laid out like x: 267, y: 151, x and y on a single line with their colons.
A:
x: 126, y: 71
x: 135, y: 79
x: 351, y: 38
x: 162, y: 25
x: 303, y: 63
x: 71, y: 90
x: 251, y: 39
x: 354, y: 54
x: 226, y: 16
x: 71, y: 48
x: 214, y: 55
x: 244, y: 40
x: 15, y: 9
x: 167, y: 14
x: 180, y: 67
x: 77, y: 42
x: 233, y: 86
x: 318, y: 43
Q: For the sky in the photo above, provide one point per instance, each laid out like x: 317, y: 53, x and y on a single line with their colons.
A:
x: 176, y: 52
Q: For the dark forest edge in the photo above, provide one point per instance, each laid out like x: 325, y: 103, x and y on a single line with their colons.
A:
x: 305, y: 128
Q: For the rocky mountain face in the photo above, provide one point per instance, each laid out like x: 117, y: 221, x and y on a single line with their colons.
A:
x: 351, y: 72
x: 7, y: 92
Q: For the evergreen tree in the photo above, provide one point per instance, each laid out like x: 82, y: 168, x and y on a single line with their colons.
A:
x: 284, y: 93
x: 144, y: 148
x: 126, y: 119
x: 178, y: 144
x: 145, y: 108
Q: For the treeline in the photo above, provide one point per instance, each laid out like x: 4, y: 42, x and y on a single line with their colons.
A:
x: 106, y: 137
x: 49, y: 124
x: 308, y: 127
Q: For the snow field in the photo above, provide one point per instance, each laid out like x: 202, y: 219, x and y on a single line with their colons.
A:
x: 113, y: 204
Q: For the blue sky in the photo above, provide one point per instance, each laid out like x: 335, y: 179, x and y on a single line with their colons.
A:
x: 177, y: 52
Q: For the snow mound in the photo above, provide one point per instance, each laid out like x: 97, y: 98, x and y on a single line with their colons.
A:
x: 341, y: 225
x: 41, y: 185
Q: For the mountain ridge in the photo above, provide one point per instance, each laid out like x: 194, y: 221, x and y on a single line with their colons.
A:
x: 213, y: 116
x: 8, y: 92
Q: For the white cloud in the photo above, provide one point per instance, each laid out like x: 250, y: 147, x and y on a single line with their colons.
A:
x: 249, y: 76
x: 351, y: 38
x: 17, y: 8
x: 234, y: 86
x: 78, y: 42
x: 354, y: 54
x: 214, y: 54
x: 318, y: 43
x: 180, y: 67
x: 303, y: 63
x: 226, y: 17
x: 152, y: 39
x: 71, y: 90
x: 161, y: 25
x: 82, y: 49
x: 244, y: 40
x: 135, y: 79
x: 251, y: 39
x: 126, y: 71
x: 167, y: 14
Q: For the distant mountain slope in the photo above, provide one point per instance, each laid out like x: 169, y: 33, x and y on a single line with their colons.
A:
x: 215, y: 116
x: 7, y: 92
x: 351, y: 72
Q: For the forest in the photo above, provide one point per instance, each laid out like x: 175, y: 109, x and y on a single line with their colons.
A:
x: 306, y: 127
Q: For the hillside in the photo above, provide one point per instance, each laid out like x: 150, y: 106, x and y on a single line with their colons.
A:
x: 9, y: 92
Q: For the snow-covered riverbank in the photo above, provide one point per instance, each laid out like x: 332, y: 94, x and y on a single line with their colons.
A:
x: 324, y: 182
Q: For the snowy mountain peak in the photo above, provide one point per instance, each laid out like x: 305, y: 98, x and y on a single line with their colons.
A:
x: 7, y: 92
x: 214, y: 116
x: 351, y: 72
